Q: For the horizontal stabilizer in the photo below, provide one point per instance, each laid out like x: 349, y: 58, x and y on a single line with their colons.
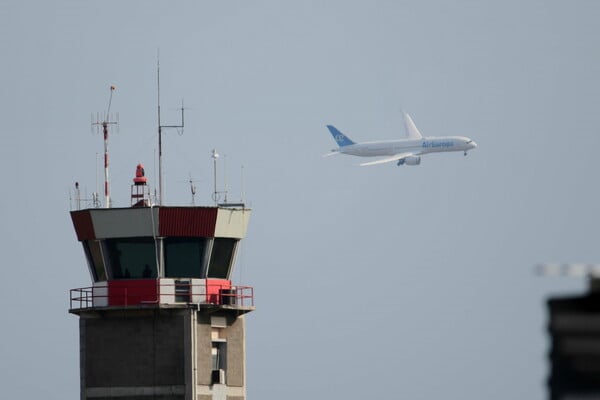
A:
x: 396, y: 157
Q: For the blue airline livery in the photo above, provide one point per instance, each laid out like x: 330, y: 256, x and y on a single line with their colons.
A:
x: 406, y: 151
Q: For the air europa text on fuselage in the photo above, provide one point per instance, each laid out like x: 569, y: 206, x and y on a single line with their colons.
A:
x: 437, y: 143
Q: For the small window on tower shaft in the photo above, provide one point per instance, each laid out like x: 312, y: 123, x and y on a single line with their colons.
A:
x: 219, y: 361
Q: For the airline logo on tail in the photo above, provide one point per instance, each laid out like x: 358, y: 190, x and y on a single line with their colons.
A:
x: 341, y: 139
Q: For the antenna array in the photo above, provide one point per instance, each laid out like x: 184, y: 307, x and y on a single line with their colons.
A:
x: 94, y: 201
x: 160, y: 128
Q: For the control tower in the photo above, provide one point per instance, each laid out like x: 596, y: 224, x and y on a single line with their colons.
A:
x: 162, y: 318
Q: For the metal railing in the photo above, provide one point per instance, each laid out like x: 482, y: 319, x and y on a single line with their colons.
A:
x: 180, y: 292
x: 81, y: 298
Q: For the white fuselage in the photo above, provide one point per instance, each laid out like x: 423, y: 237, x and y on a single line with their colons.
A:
x: 416, y: 146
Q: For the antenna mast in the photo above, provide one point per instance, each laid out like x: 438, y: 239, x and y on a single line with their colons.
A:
x: 160, y: 127
x: 214, y: 156
x: 106, y: 121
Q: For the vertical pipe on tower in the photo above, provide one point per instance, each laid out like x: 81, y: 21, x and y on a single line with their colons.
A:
x: 106, y: 185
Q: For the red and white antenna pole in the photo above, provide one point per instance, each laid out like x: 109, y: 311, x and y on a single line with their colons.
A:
x: 105, y: 129
x: 105, y: 123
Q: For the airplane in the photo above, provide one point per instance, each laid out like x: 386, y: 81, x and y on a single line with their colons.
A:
x: 406, y: 151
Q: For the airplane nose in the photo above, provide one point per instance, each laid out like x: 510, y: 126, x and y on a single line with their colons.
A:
x: 473, y: 144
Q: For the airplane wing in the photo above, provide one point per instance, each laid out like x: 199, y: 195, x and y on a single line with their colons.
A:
x: 395, y: 157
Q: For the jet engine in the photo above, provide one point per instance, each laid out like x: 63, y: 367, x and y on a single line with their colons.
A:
x: 410, y: 160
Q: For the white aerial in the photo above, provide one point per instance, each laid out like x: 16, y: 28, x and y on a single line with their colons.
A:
x: 404, y: 151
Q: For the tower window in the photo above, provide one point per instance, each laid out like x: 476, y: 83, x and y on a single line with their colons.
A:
x: 219, y: 361
x: 222, y: 256
x: 132, y: 258
x: 93, y: 253
x: 184, y: 257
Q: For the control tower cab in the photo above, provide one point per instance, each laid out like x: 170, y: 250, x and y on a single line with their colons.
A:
x: 162, y: 318
x: 161, y: 256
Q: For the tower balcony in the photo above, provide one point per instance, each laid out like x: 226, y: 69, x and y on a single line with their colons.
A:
x: 217, y: 294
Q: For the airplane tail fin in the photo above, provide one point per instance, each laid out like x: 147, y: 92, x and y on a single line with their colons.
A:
x: 341, y: 139
x: 411, y: 130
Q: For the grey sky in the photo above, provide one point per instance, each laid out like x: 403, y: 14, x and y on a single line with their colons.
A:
x: 414, y: 281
